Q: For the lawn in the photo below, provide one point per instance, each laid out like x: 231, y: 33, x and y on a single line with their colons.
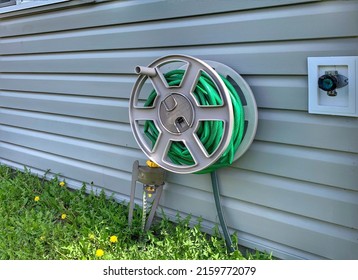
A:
x: 43, y: 219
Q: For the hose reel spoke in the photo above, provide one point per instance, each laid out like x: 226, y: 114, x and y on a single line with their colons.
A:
x: 144, y: 113
x: 155, y: 77
x: 159, y: 84
x: 197, y: 150
x: 161, y: 146
x: 190, y: 78
x: 211, y: 113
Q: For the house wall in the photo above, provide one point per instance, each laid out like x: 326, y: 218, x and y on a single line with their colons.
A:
x: 67, y: 74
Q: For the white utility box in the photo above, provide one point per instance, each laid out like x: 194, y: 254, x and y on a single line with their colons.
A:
x: 332, y: 85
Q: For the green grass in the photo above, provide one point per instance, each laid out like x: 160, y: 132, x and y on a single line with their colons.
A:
x: 31, y: 229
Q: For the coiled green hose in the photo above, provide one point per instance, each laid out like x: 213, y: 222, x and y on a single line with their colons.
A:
x: 209, y: 132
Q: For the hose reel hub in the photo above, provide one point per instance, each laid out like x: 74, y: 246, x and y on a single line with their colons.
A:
x: 178, y: 115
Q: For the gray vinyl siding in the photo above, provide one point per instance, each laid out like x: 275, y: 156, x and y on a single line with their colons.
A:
x: 67, y: 74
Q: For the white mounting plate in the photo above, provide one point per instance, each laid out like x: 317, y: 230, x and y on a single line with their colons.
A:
x: 345, y: 103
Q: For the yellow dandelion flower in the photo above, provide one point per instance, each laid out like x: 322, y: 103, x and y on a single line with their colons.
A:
x: 113, y: 239
x: 62, y: 184
x: 63, y: 216
x: 42, y: 238
x: 37, y: 198
x: 99, y: 253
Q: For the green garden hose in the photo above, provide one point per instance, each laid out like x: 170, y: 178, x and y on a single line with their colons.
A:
x: 209, y: 132
x: 216, y: 192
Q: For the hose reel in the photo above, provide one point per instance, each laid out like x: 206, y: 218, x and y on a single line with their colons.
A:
x: 178, y: 116
x: 191, y: 116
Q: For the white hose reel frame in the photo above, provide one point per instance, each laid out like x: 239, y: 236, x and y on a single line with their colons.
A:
x: 192, y: 111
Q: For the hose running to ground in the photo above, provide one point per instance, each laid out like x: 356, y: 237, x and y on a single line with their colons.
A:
x: 209, y: 132
x: 224, y: 228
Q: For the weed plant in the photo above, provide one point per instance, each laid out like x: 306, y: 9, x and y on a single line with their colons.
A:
x: 42, y: 219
